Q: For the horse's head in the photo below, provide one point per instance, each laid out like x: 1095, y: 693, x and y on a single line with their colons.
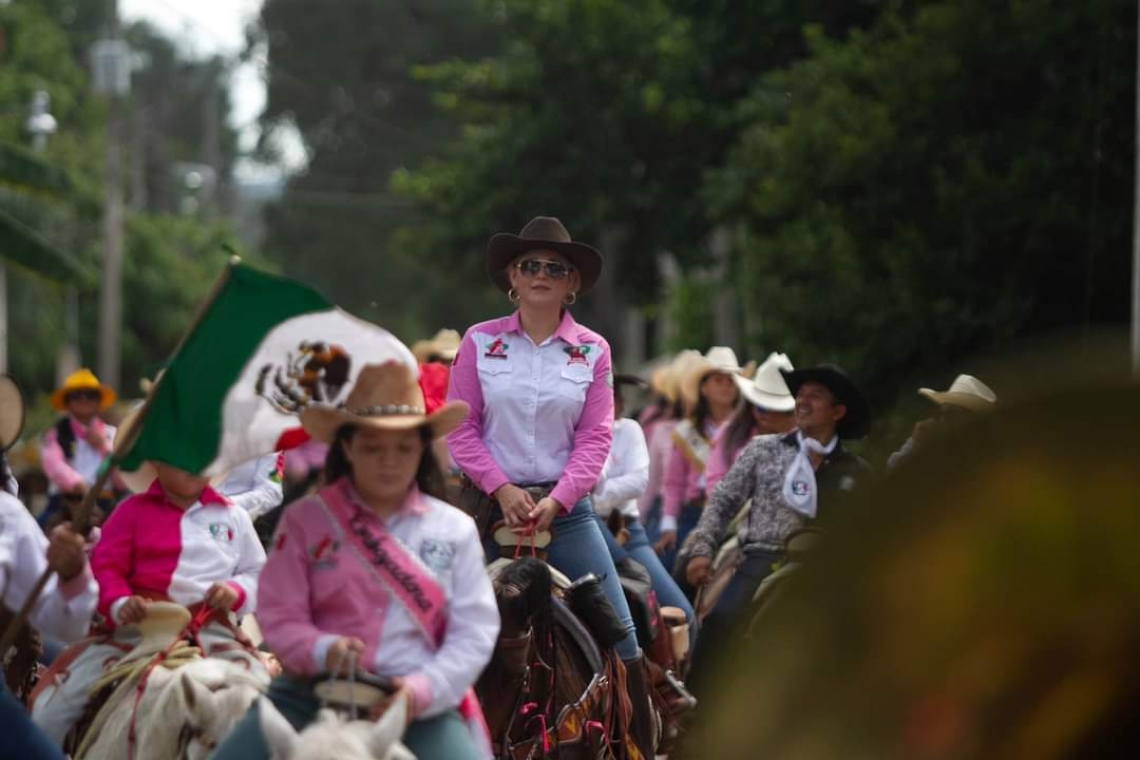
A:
x: 331, y: 737
x: 522, y: 591
x: 206, y: 698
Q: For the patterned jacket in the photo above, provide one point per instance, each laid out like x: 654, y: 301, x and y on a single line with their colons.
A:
x: 759, y: 475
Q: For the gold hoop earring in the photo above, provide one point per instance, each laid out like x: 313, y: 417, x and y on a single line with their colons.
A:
x: 513, y: 296
x: 570, y: 299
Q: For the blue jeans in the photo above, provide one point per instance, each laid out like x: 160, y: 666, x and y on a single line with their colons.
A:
x: 669, y: 594
x: 20, y: 738
x: 653, y: 521
x: 686, y: 521
x: 442, y: 737
x: 720, y: 627
x: 578, y: 548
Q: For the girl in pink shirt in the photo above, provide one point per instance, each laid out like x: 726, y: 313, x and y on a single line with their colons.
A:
x: 376, y: 574
x: 709, y: 389
x: 178, y: 541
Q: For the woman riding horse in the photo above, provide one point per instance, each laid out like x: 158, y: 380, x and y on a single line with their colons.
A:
x: 539, y: 387
x: 376, y: 572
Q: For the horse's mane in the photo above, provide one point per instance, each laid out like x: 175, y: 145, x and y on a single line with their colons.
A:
x: 523, y: 589
x: 163, y: 710
x: 170, y: 710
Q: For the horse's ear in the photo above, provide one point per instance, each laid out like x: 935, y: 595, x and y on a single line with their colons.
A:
x: 279, y: 734
x: 196, y: 696
x: 388, y: 730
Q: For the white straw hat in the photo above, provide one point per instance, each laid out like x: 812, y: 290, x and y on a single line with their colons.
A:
x: 967, y: 392
x: 767, y: 389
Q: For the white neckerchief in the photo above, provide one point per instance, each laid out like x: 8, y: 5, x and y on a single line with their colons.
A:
x: 799, y: 483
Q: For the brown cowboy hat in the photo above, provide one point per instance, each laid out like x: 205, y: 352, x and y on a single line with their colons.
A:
x: 385, y: 396
x: 856, y: 423
x: 543, y: 233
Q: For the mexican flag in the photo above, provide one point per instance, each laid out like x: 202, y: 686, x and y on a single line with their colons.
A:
x: 263, y: 348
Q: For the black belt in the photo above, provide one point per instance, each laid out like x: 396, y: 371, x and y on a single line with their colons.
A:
x: 545, y: 486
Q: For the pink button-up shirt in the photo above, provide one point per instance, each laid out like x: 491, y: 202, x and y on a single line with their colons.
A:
x: 684, y: 482
x: 317, y: 588
x: 151, y: 545
x: 539, y: 413
x: 720, y: 460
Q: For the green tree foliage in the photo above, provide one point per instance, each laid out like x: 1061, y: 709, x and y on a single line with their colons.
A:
x: 609, y: 114
x: 55, y: 197
x: 955, y: 177
x: 342, y: 77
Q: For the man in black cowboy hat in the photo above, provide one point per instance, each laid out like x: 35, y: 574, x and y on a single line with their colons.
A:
x: 793, y: 480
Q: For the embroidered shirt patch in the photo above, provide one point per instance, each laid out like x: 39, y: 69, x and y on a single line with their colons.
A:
x: 221, y: 532
x: 497, y: 349
x: 324, y: 551
x: 437, y: 555
x: 578, y: 354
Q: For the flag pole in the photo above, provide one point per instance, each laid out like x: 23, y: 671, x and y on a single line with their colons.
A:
x: 81, y: 520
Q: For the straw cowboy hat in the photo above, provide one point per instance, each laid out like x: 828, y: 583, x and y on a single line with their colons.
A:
x: 663, y: 384
x: 767, y: 388
x: 543, y: 233
x: 11, y: 412
x: 445, y: 344
x: 967, y: 392
x: 82, y: 380
x: 385, y: 396
x: 856, y: 423
x: 718, y: 359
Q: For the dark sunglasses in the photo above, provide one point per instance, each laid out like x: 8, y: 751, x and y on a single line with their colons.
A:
x: 85, y: 395
x: 532, y: 267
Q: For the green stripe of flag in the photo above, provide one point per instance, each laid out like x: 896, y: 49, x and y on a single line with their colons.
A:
x: 184, y: 424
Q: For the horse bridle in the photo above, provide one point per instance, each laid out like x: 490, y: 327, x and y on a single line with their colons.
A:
x: 190, y: 734
x: 525, y: 640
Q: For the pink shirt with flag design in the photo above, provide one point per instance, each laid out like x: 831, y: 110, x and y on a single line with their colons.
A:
x: 317, y: 587
x: 149, y: 545
x: 539, y: 413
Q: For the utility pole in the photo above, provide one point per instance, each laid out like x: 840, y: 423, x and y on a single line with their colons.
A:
x: 112, y: 78
x: 1136, y: 224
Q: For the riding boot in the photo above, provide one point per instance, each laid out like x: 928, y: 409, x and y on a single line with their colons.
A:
x: 641, y: 722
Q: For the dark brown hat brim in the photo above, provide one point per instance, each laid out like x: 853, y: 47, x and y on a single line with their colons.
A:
x: 856, y: 423
x: 505, y: 248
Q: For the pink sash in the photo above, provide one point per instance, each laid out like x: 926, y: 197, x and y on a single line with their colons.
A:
x: 401, y: 572
x: 406, y: 578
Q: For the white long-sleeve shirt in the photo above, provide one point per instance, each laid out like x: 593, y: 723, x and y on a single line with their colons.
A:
x: 316, y: 588
x: 255, y: 486
x: 63, y: 611
x: 626, y: 472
